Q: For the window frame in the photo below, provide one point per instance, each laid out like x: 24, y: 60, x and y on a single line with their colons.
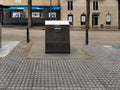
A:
x: 69, y: 5
x: 95, y: 5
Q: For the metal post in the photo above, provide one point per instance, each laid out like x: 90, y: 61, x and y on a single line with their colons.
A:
x: 118, y: 14
x: 87, y: 20
x: 87, y: 37
x: 27, y: 33
x: 0, y: 35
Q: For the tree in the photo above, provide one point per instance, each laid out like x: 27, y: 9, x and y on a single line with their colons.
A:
x: 29, y: 13
x: 118, y: 14
x: 87, y: 19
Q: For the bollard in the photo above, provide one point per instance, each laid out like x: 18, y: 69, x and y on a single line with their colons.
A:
x: 27, y: 33
x: 87, y: 36
x: 0, y: 35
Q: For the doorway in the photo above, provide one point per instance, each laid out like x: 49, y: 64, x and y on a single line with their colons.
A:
x: 0, y: 16
x: 70, y: 19
x: 94, y: 20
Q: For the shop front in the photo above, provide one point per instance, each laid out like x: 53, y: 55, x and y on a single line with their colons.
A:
x: 19, y: 14
x: 1, y: 12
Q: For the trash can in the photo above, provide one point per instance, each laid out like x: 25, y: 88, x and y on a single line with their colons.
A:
x: 57, y: 37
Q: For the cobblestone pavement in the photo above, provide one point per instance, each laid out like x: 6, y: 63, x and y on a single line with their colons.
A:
x: 18, y: 73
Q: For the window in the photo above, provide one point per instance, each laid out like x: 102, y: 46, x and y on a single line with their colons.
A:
x: 17, y: 15
x: 36, y: 15
x: 95, y: 5
x: 70, y: 5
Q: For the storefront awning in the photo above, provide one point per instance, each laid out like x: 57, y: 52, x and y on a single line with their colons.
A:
x: 33, y: 8
x: 3, y: 6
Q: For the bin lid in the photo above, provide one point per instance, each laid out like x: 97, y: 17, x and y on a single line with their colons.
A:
x: 57, y: 22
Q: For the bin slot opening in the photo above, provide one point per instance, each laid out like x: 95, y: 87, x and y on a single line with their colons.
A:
x: 57, y: 28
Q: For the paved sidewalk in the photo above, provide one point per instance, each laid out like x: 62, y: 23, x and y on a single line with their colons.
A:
x: 19, y: 73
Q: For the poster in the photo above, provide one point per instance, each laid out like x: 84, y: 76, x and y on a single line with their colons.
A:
x: 108, y: 18
x: 18, y: 1
x: 53, y: 15
x: 35, y: 14
x: 83, y: 18
x: 16, y: 15
x: 70, y: 18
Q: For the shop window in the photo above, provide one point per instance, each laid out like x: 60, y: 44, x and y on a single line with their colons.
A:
x: 70, y: 5
x: 95, y: 5
x: 52, y: 15
x: 83, y: 19
x: 17, y: 14
x: 36, y: 15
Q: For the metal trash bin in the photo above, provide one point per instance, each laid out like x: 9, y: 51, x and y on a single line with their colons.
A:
x: 57, y: 37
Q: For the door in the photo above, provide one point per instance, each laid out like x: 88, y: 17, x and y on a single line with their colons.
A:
x: 0, y: 16
x: 95, y: 20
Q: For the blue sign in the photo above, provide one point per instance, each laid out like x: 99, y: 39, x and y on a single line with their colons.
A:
x: 33, y: 8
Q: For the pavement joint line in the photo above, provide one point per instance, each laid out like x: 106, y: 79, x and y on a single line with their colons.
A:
x: 61, y: 58
x: 28, y: 50
x: 86, y: 52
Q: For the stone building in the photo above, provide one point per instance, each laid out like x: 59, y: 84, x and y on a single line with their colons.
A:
x: 103, y: 13
x: 17, y: 13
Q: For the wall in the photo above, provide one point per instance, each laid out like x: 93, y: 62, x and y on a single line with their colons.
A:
x: 34, y: 2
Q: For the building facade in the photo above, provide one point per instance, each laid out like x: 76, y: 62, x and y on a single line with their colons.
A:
x: 103, y: 13
x: 42, y: 10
